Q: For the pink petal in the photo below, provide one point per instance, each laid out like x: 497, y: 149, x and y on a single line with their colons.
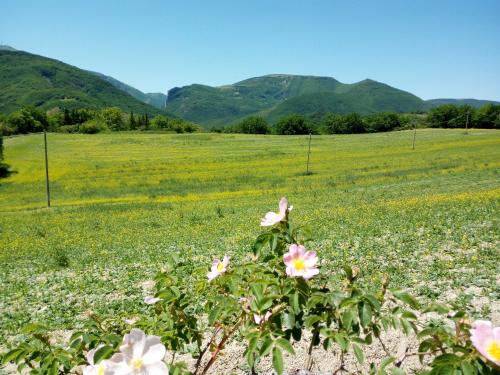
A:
x: 283, y: 206
x: 287, y: 259
x: 212, y: 275
x: 225, y: 261
x: 215, y: 263
x: 310, y: 272
x: 294, y: 250
x: 271, y: 218
x: 310, y: 258
x: 150, y: 300
x: 496, y: 333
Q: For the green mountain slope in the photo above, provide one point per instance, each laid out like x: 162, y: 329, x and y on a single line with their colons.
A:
x: 157, y: 100
x: 472, y: 102
x: 277, y: 95
x: 27, y: 79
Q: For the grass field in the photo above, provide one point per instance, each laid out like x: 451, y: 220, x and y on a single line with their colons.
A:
x: 122, y: 201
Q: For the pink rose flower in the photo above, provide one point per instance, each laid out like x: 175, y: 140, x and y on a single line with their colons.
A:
x: 300, y: 263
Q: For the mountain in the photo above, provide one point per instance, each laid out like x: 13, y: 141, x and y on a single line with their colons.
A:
x: 277, y: 95
x: 27, y: 79
x: 157, y: 100
x: 472, y: 102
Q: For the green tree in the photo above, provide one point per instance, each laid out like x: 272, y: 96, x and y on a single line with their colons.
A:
x: 253, y: 125
x: 27, y: 120
x: 112, y: 117
x: 382, y: 122
x: 488, y: 117
x: 293, y: 125
x: 160, y: 122
x: 343, y: 124
x: 131, y: 122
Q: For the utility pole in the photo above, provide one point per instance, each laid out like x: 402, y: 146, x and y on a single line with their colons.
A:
x: 47, y: 187
x: 308, y: 154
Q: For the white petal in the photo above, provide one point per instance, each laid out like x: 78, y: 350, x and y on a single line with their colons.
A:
x: 158, y: 368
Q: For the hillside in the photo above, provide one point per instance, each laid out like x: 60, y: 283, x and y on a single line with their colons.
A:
x: 156, y: 99
x: 277, y: 95
x: 472, y: 102
x: 28, y: 79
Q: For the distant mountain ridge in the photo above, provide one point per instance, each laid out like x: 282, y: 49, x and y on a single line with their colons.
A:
x: 156, y: 99
x: 276, y: 95
x: 28, y: 79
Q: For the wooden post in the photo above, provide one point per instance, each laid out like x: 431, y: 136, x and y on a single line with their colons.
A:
x: 308, y: 154
x: 414, y: 136
x: 47, y: 187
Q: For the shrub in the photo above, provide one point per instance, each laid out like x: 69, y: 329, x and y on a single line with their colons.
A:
x: 293, y: 125
x: 343, y: 124
x: 270, y: 299
x: 253, y: 125
x: 93, y: 127
x: 381, y: 122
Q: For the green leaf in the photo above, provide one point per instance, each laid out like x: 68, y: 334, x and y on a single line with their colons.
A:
x: 295, y: 303
x: 257, y: 290
x: 277, y: 360
x: 397, y: 371
x: 446, y: 359
x: 54, y: 368
x: 285, y: 345
x: 406, y: 298
x: 347, y: 319
x: 359, y: 353
x: 289, y: 320
x: 11, y: 355
x: 264, y: 304
x: 311, y: 319
x: 348, y: 271
x: 386, y: 362
x: 436, y: 307
x: 468, y: 369
x: 214, y: 314
x: 33, y: 328
x: 103, y: 353
x: 365, y: 314
x: 266, y: 346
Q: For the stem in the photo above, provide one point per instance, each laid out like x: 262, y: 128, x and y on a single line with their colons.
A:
x: 202, y: 352
x: 310, y: 361
x: 221, y: 345
x: 341, y: 367
x: 383, y: 346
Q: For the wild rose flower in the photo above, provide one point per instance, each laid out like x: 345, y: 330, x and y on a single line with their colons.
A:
x: 218, y: 268
x: 93, y: 368
x: 300, y: 262
x: 258, y: 319
x: 150, y: 300
x: 486, y: 339
x: 272, y: 218
x: 139, y: 354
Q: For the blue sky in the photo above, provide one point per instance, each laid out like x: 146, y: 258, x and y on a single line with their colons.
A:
x: 438, y: 48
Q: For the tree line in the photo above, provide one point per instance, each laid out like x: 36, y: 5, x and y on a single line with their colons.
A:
x: 30, y: 119
x: 88, y: 121
x: 445, y: 116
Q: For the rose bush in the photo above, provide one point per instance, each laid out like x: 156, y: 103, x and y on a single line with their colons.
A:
x: 279, y: 294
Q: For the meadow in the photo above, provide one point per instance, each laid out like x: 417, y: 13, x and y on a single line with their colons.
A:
x: 122, y: 202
